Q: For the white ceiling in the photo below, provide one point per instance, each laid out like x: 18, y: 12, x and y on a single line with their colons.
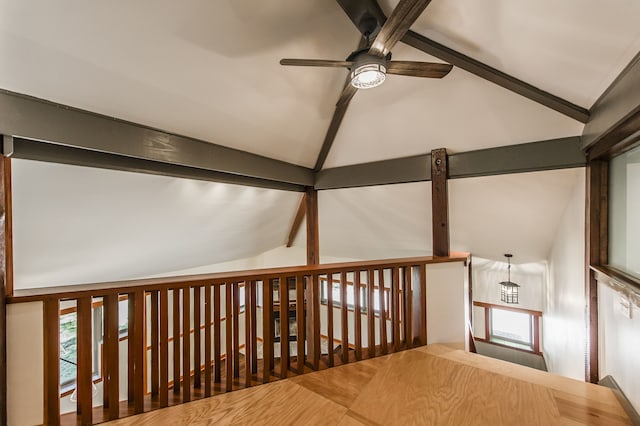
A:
x: 210, y: 70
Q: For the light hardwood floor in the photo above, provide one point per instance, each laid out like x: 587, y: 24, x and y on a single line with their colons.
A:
x: 431, y: 385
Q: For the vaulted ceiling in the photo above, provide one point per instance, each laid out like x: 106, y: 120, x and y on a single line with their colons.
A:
x: 210, y: 70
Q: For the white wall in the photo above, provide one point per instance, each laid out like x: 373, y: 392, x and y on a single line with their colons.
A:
x: 564, y: 313
x: 25, y: 369
x: 487, y: 274
x: 447, y: 303
x: 619, y: 340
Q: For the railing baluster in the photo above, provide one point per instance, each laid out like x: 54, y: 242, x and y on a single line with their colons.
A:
x: 408, y: 310
x: 235, y: 287
x: 137, y: 342
x: 330, y: 319
x: 217, y: 307
x: 395, y: 308
x: 248, y: 335
x: 130, y: 348
x: 383, y: 312
x: 423, y: 304
x: 345, y: 317
x: 197, y: 346
x: 284, y: 327
x: 51, y: 327
x: 186, y: 344
x: 111, y: 350
x: 315, y: 327
x: 357, y: 313
x: 207, y: 340
x: 84, y: 377
x: 371, y: 324
x: 155, y: 369
x: 254, y: 327
x: 163, y: 390
x: 300, y: 323
x: 267, y: 330
x: 228, y: 361
x: 176, y: 340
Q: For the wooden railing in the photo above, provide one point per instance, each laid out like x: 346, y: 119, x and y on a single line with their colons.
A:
x: 192, y: 337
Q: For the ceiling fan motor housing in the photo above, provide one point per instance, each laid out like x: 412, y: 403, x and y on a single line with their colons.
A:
x: 368, y: 70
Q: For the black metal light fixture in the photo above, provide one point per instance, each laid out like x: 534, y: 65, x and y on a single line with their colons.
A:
x: 509, y: 290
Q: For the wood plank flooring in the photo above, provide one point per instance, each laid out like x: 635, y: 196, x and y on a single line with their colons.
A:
x: 428, y: 385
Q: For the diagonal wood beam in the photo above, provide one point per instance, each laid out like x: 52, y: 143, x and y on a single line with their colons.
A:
x: 297, y: 221
x: 493, y: 75
x: 341, y: 109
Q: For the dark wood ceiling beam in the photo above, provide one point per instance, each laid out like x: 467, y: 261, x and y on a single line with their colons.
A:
x: 529, y: 157
x: 493, y: 75
x: 397, y: 170
x: 347, y: 94
x: 27, y: 149
x: 297, y: 220
x: 341, y: 109
x: 52, y: 123
x: 615, y: 117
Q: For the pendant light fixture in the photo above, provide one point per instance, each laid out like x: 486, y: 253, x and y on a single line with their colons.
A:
x: 508, y: 289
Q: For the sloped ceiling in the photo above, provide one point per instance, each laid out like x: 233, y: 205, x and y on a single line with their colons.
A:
x: 209, y: 70
x: 75, y: 225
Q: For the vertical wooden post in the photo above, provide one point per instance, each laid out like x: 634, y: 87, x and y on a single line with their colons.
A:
x: 84, y: 347
x: 6, y: 274
x: 267, y: 329
x: 440, y: 202
x: 249, y: 335
x: 217, y: 307
x: 164, y: 348
x: 254, y: 327
x: 300, y: 338
x: 230, y: 318
x: 51, y: 327
x: 235, y: 288
x: 383, y: 312
x: 155, y: 341
x: 344, y: 317
x: 197, y: 347
x: 284, y: 327
x: 139, y: 345
x: 111, y: 348
x: 330, y: 318
x: 408, y: 307
x: 176, y: 340
x: 371, y: 324
x: 313, y: 240
x: 395, y: 308
x: 186, y: 344
x: 357, y: 314
x: 207, y: 340
x: 596, y: 254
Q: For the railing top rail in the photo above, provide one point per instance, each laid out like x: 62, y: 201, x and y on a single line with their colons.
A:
x: 149, y: 284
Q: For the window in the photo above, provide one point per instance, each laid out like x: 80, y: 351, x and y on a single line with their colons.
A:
x: 68, y: 340
x: 512, y: 328
x: 624, y: 210
x: 336, y: 292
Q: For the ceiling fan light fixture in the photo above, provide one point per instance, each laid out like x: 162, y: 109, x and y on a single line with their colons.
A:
x: 368, y: 76
x: 369, y: 71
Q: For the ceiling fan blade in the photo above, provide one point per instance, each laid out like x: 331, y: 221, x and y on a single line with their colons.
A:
x: 316, y: 63
x: 399, y: 22
x: 366, y: 15
x: 418, y: 69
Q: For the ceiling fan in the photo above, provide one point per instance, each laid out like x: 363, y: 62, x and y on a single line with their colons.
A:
x: 372, y: 61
